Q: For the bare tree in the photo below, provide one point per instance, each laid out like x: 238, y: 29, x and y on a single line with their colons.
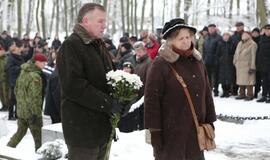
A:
x: 177, y: 7
x: 123, y: 16
x: 135, y: 18
x: 1, y: 16
x: 19, y: 17
x: 127, y: 12
x: 37, y: 15
x: 57, y: 17
x: 152, y: 16
x: 66, y: 17
x: 28, y: 22
x: 52, y: 17
x: 231, y: 8
x: 43, y: 19
x: 142, y: 17
x: 10, y: 14
x: 186, y: 9
x: 262, y: 12
x: 105, y: 3
x: 208, y: 10
x: 163, y: 11
x: 238, y: 7
x: 132, y: 17
x: 248, y: 9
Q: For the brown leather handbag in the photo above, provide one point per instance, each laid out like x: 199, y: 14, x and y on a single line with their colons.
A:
x: 205, y: 132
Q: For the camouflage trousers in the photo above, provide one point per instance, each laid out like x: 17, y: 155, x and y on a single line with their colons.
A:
x: 23, y: 125
x: 4, y: 92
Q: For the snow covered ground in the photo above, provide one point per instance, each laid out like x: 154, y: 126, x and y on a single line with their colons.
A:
x: 249, y: 141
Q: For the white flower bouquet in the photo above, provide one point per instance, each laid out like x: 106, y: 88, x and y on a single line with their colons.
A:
x: 53, y: 150
x: 123, y: 87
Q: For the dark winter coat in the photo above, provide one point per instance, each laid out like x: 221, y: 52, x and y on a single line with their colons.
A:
x: 85, y: 103
x: 264, y: 54
x: 126, y: 56
x: 13, y: 65
x: 210, y: 49
x: 135, y: 120
x: 6, y: 42
x: 225, y: 60
x: 236, y: 38
x: 167, y: 108
x: 52, y: 106
x: 56, y: 43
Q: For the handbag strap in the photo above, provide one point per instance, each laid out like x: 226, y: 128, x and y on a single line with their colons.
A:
x: 191, y: 105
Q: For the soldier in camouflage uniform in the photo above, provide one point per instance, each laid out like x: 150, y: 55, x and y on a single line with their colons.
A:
x: 3, y: 81
x: 28, y: 91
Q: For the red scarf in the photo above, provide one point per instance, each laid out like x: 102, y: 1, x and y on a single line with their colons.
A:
x: 185, y: 53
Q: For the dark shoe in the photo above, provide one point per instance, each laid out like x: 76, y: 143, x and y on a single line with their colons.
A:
x: 11, y: 118
x: 263, y: 99
x: 240, y: 97
x: 4, y: 108
x: 215, y: 94
x: 248, y: 98
x: 223, y: 96
x: 267, y: 100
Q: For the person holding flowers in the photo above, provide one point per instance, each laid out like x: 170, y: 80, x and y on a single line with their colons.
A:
x: 86, y: 104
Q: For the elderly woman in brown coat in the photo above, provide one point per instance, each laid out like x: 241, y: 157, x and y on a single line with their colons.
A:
x: 244, y: 61
x: 167, y: 112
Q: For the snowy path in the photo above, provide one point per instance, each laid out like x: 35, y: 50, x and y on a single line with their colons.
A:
x: 250, y: 141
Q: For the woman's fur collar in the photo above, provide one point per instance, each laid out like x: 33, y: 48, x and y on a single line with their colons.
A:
x: 169, y: 55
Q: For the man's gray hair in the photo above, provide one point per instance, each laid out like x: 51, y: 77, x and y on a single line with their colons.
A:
x: 87, y: 7
x: 139, y: 45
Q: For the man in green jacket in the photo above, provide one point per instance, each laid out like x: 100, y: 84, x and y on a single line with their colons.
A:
x: 3, y: 80
x: 28, y: 91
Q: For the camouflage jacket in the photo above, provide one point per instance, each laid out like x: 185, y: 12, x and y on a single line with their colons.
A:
x: 28, y: 91
x: 3, y: 75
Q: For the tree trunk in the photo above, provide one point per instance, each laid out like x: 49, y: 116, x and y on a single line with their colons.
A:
x: 128, y: 22
x: 261, y: 8
x: 19, y: 16
x: 248, y: 9
x: 208, y: 9
x: 9, y: 14
x: 163, y: 11
x: 52, y: 18
x: 135, y: 18
x: 105, y: 3
x: 28, y: 23
x: 177, y: 7
x: 71, y: 22
x: 57, y: 18
x: 142, y: 17
x: 152, y: 17
x: 37, y: 15
x: 113, y: 22
x: 1, y: 17
x: 66, y: 17
x: 186, y: 10
x: 238, y: 7
x: 44, y: 32
x: 231, y: 8
x: 132, y: 16
x: 123, y: 16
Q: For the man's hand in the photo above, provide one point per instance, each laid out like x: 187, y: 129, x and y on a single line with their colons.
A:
x: 117, y: 107
x: 127, y: 107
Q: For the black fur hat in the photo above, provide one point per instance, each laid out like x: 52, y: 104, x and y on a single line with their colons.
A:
x: 175, y: 24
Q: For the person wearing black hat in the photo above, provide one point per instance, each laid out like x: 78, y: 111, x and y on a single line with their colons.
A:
x: 165, y: 103
x: 236, y: 38
x: 256, y: 38
x: 210, y: 56
x: 264, y: 63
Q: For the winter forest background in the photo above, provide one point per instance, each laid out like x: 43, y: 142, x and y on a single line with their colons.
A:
x: 59, y: 16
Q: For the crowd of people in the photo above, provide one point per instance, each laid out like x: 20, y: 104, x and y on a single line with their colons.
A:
x: 238, y: 61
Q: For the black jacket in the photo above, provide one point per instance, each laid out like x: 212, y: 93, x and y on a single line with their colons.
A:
x: 52, y: 106
x: 13, y: 66
x: 210, y: 49
x: 82, y: 65
x: 264, y: 54
x: 225, y: 60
